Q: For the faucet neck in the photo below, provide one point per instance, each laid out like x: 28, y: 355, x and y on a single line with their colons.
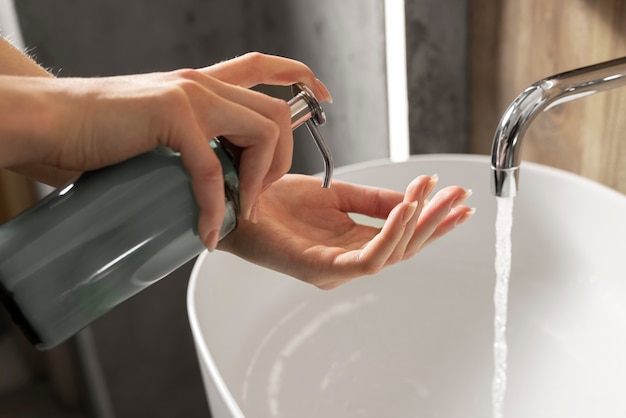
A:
x: 541, y: 96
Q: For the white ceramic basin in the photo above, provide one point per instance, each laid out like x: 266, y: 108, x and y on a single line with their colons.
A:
x: 416, y: 340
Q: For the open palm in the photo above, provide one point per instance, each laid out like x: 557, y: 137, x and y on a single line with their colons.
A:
x: 306, y: 231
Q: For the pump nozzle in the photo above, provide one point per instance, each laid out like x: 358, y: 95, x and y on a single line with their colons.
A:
x: 306, y: 109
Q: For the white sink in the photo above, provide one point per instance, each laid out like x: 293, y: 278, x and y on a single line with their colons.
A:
x: 416, y: 340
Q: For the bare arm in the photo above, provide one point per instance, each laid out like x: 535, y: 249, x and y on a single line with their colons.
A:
x: 15, y: 63
x: 54, y: 128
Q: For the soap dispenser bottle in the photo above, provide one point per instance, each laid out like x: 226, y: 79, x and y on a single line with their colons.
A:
x: 101, y: 239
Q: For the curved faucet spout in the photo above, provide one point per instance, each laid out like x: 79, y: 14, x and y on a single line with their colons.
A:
x: 541, y: 96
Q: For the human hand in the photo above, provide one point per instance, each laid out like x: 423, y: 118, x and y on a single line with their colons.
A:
x: 88, y: 123
x: 305, y: 231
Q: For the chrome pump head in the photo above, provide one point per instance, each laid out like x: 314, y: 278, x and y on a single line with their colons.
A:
x: 306, y: 109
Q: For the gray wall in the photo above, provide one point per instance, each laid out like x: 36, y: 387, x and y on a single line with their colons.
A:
x: 341, y: 41
x: 145, y: 346
x: 436, y: 44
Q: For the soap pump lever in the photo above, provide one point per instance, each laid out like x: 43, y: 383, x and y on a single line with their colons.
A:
x: 306, y: 109
x: 97, y: 241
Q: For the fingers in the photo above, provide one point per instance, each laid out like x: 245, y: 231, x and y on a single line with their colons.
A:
x: 208, y: 188
x: 222, y: 105
x: 410, y: 225
x: 375, y: 254
x: 420, y: 224
x: 255, y: 68
x: 261, y: 127
x: 388, y: 246
x: 368, y: 201
x: 417, y: 191
x: 376, y: 202
x: 456, y: 217
x: 258, y: 124
x: 443, y: 209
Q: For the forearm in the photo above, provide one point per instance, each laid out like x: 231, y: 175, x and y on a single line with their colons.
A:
x: 15, y: 62
x: 19, y: 124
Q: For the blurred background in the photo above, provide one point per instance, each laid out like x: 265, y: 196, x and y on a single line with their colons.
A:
x: 465, y: 61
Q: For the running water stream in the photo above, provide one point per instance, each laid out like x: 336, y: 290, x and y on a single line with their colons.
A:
x: 504, y: 223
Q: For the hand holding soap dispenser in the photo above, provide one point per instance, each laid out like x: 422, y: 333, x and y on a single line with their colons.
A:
x: 101, y: 239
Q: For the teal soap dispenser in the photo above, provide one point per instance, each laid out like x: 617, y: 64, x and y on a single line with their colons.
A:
x: 101, y: 239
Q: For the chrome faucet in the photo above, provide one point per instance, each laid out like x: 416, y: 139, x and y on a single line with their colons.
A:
x: 542, y: 96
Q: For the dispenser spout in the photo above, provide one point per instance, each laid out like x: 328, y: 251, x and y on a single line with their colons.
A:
x: 305, y: 109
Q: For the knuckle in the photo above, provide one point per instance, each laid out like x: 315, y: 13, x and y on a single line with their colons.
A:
x: 278, y: 109
x: 270, y: 132
x: 187, y: 74
x: 277, y: 113
x: 174, y: 96
x: 281, y: 113
x: 189, y: 81
x: 368, y: 267
x: 253, y: 58
x: 211, y: 173
x: 189, y: 87
x: 252, y: 61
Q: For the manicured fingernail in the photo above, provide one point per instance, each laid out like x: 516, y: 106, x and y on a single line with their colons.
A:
x: 434, y: 179
x: 462, y: 198
x: 467, y: 215
x: 245, y: 214
x: 211, y: 240
x: 323, y: 87
x: 246, y: 211
x: 254, y: 213
x: 409, y: 212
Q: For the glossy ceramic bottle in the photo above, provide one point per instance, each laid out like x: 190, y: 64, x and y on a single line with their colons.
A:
x: 101, y: 239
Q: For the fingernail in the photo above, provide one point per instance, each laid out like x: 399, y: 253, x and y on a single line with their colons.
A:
x: 323, y: 87
x: 409, y: 212
x: 211, y: 240
x: 462, y: 198
x: 434, y: 179
x: 246, y: 211
x: 245, y: 214
x: 254, y: 213
x: 251, y: 214
x: 467, y: 215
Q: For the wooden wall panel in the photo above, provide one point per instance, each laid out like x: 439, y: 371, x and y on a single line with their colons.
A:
x: 514, y: 43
